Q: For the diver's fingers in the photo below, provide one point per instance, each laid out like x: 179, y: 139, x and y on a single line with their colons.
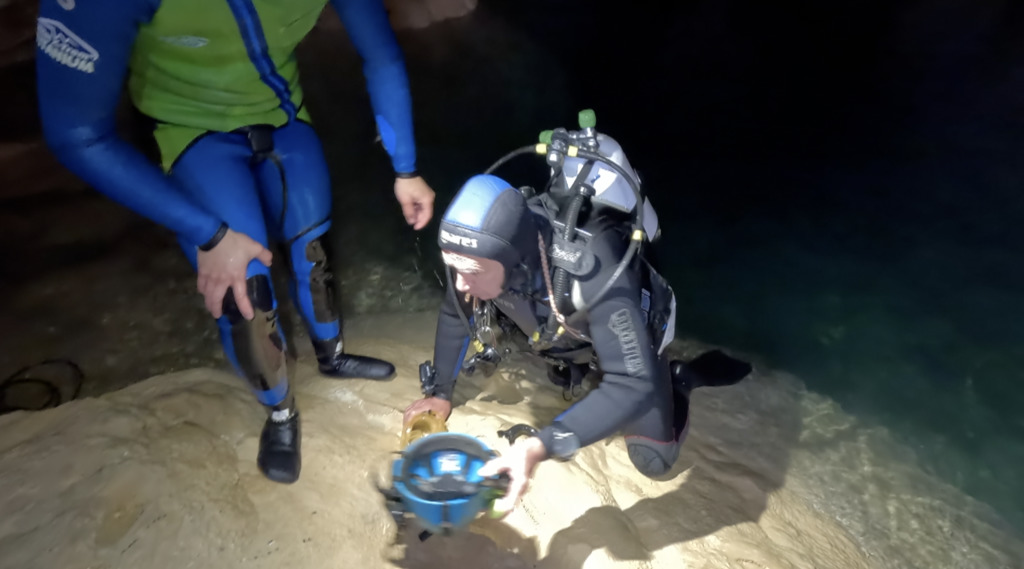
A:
x: 499, y: 510
x: 492, y: 467
x: 214, y: 294
x: 507, y: 503
x: 518, y: 479
x: 422, y: 406
x: 412, y: 410
x: 242, y: 299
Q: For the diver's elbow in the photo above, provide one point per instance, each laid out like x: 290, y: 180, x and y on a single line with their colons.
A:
x: 73, y: 145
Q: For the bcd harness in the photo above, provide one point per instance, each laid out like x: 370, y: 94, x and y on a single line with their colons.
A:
x: 561, y: 340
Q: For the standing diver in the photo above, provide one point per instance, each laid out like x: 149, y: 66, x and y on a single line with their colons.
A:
x: 616, y: 317
x: 241, y: 164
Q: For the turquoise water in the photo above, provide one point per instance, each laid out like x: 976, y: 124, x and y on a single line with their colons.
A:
x: 914, y: 325
x: 840, y: 191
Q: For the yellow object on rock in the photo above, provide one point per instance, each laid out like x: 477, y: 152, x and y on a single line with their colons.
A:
x: 421, y: 425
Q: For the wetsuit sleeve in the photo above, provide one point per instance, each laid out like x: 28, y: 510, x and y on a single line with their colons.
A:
x: 367, y: 24
x: 624, y: 352
x: 81, y: 62
x: 450, y: 344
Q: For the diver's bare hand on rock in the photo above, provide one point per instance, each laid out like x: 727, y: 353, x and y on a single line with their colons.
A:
x: 224, y: 267
x: 441, y: 407
x: 519, y: 463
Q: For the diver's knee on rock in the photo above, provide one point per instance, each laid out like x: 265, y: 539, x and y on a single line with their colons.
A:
x: 652, y: 458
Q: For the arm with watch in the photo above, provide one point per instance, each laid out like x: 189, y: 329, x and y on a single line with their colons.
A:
x: 387, y: 84
x: 629, y: 366
x: 451, y: 341
x: 78, y: 108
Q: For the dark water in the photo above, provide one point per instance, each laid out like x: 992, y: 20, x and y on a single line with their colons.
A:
x: 840, y: 186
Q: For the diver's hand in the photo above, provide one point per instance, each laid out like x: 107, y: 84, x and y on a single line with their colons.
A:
x: 519, y: 463
x: 416, y: 199
x: 224, y: 266
x: 441, y: 407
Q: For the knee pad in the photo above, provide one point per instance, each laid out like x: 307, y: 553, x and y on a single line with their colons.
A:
x: 260, y: 294
x: 321, y: 289
x: 257, y: 346
x: 312, y: 283
x: 652, y: 458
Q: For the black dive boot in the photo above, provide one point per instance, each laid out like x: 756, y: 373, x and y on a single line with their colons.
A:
x: 560, y: 375
x: 569, y: 377
x: 711, y: 369
x: 335, y: 363
x: 280, y: 458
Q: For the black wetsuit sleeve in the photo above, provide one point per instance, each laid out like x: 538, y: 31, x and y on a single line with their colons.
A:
x: 450, y: 343
x: 625, y: 354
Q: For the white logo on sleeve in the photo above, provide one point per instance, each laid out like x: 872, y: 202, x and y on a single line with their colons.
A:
x: 621, y: 325
x: 66, y: 4
x: 64, y: 47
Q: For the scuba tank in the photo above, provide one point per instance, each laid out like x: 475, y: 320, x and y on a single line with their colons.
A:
x: 587, y: 167
x: 611, y: 190
x: 589, y: 174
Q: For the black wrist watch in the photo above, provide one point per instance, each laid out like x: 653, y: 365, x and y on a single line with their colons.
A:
x: 428, y: 379
x: 561, y: 443
x: 215, y: 240
x: 428, y: 383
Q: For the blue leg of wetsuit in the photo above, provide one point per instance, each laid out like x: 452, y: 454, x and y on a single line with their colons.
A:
x: 296, y: 194
x: 215, y: 170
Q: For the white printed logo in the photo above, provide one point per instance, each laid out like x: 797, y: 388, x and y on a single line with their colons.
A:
x: 66, y: 4
x: 458, y: 239
x: 567, y: 255
x: 449, y: 462
x: 64, y: 47
x: 185, y: 41
x: 622, y: 326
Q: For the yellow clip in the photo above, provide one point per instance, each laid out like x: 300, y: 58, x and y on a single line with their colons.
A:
x: 478, y: 346
x: 638, y: 235
x: 536, y: 335
x: 573, y: 150
x: 560, y: 330
x: 541, y: 148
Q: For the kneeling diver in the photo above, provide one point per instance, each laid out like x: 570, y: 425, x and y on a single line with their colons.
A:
x: 502, y: 244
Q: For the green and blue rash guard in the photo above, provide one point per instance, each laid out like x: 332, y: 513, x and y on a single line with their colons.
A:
x: 194, y: 66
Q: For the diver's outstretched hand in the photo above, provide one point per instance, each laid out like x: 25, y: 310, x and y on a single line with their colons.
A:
x: 441, y: 407
x: 416, y: 199
x: 519, y: 463
x: 224, y: 267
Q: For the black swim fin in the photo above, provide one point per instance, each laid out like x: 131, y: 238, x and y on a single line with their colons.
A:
x: 710, y: 369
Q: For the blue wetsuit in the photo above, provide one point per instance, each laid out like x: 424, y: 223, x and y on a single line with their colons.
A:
x: 283, y: 194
